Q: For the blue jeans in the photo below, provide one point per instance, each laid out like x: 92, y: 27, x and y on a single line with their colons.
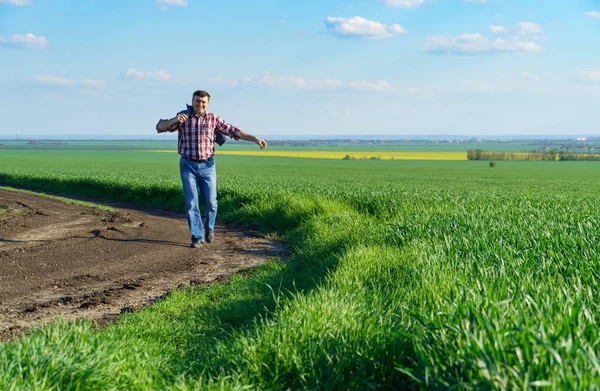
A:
x: 201, y: 176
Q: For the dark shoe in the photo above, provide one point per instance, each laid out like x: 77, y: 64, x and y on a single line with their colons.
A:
x: 210, y: 237
x: 196, y: 243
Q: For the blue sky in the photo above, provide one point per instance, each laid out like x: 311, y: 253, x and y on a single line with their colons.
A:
x: 282, y: 67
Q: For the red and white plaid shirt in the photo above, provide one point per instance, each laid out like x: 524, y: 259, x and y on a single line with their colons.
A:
x: 197, y: 134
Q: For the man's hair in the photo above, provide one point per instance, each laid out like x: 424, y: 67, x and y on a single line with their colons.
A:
x: 201, y: 94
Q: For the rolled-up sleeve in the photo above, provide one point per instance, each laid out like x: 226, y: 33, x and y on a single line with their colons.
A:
x: 227, y: 129
x: 171, y: 128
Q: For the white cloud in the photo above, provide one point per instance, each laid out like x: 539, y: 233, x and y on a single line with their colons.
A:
x: 591, y: 75
x: 165, y: 4
x: 362, y: 28
x: 529, y: 75
x: 537, y: 39
x: 292, y: 82
x: 593, y: 14
x: 28, y: 41
x: 477, y: 44
x: 476, y: 1
x: 92, y: 83
x: 16, y: 2
x: 403, y: 3
x: 522, y: 27
x: 159, y: 75
x: 363, y: 85
x: 331, y: 85
x: 266, y: 79
x: 529, y: 28
x: 497, y: 29
x: 59, y: 81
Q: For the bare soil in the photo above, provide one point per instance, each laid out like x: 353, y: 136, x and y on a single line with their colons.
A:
x: 69, y: 261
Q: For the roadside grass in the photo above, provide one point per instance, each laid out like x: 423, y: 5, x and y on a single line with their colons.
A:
x: 202, y: 335
x: 58, y: 198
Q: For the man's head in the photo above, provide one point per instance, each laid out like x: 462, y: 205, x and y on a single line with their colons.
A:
x: 200, y: 101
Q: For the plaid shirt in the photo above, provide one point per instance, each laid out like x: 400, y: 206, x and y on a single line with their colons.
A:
x: 197, y: 134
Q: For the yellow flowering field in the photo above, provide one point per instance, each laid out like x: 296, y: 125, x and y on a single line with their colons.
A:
x: 362, y: 155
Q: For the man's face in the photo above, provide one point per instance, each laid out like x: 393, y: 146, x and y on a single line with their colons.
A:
x: 200, y: 104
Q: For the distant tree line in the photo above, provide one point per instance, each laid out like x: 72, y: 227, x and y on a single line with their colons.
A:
x: 553, y: 155
x: 35, y: 142
x: 348, y: 157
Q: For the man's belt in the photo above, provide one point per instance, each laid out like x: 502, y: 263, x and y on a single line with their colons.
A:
x: 200, y: 160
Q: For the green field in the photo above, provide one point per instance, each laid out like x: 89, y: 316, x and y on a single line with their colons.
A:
x: 403, y: 274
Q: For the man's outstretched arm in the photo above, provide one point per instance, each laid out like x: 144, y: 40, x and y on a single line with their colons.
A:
x: 237, y: 133
x: 248, y: 137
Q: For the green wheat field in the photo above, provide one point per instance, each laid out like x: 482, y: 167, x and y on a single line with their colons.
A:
x: 402, y: 275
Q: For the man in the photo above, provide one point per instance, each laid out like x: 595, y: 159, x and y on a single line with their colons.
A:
x: 197, y: 164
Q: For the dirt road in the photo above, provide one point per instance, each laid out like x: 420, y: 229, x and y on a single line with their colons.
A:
x: 59, y: 259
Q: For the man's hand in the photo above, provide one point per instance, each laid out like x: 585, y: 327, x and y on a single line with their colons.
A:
x: 181, y: 118
x: 262, y: 143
